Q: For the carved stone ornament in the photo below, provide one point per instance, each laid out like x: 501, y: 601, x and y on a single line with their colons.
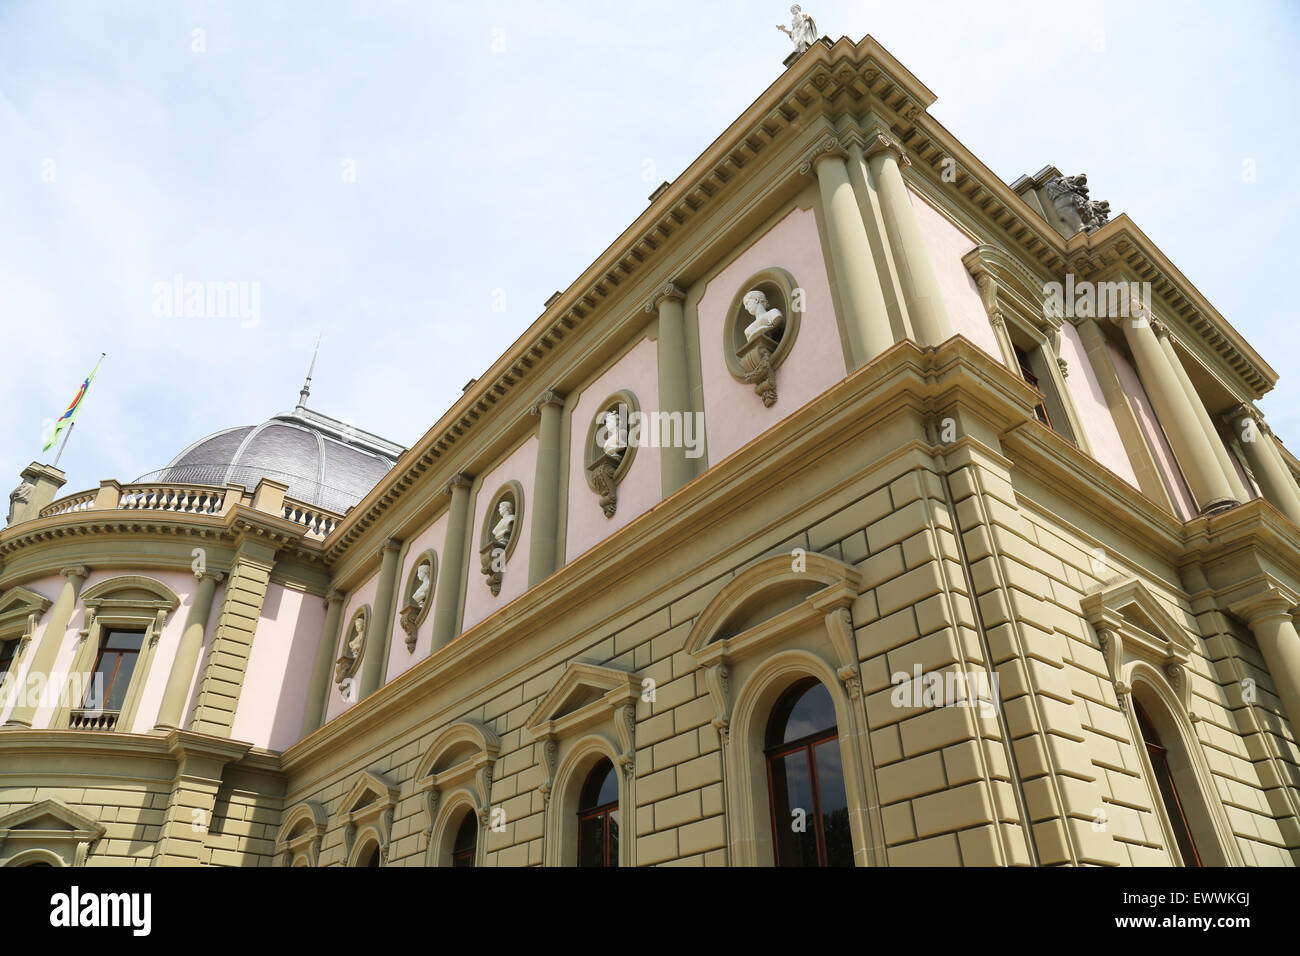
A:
x: 354, y: 646
x: 419, y: 591
x: 493, y: 565
x: 602, y: 476
x: 1069, y: 195
x: 498, y: 542
x: 756, y: 362
x: 19, y: 496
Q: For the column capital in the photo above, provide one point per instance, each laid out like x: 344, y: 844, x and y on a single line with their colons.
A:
x: 548, y: 397
x: 669, y: 290
x: 877, y: 141
x: 390, y: 545
x: 1270, y: 603
x: 75, y: 571
x: 1245, y: 411
x: 334, y: 596
x: 828, y: 148
x: 216, y: 576
x: 459, y: 480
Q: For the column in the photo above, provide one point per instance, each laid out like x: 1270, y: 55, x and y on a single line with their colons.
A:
x: 317, y: 695
x: 1202, y: 416
x: 44, y: 654
x: 543, y: 552
x: 172, y: 711
x: 451, y: 571
x: 675, y: 469
x: 916, y: 272
x: 866, y: 317
x: 1272, y: 474
x: 1208, y: 483
x: 1275, y: 633
x: 374, y: 660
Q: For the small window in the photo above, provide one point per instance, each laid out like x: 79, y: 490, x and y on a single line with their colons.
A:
x: 371, y: 857
x: 462, y: 851
x: 8, y: 650
x: 112, y: 674
x: 1027, y: 373
x: 598, y: 817
x: 1159, y: 757
x: 810, y: 808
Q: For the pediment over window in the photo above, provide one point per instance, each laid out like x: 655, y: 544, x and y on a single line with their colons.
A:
x: 20, y: 609
x: 301, y: 832
x: 369, y: 806
x: 1133, y: 626
x: 584, y: 695
x: 771, y: 599
x: 460, y: 758
x: 133, y: 591
x: 50, y: 827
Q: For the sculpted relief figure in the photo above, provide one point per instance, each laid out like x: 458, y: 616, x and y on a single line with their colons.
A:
x: 765, y: 320
x: 1069, y: 195
x: 802, y: 30
x: 352, y: 650
x: 19, y: 496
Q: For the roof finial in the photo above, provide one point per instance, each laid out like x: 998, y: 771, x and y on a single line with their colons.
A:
x: 306, y: 386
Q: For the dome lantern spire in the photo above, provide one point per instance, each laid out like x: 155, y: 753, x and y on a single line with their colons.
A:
x: 306, y: 385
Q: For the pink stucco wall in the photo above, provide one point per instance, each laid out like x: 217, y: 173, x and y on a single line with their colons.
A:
x: 399, y: 658
x: 218, y: 597
x: 641, y: 488
x: 520, y: 466
x: 1155, y: 436
x: 277, y: 680
x: 365, y: 594
x: 733, y: 413
x: 947, y: 244
x: 182, y: 583
x: 48, y: 587
x: 1090, y: 405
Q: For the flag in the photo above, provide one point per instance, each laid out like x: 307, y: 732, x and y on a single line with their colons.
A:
x: 70, y: 416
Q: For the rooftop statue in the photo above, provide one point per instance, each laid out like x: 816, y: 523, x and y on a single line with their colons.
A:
x: 802, y: 30
x: 1069, y: 196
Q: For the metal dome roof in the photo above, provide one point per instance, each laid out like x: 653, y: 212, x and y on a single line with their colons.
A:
x: 324, y: 461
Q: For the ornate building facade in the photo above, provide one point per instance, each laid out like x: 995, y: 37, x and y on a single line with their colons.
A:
x: 853, y: 508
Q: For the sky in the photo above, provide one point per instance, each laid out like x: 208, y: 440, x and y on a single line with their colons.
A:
x: 411, y: 181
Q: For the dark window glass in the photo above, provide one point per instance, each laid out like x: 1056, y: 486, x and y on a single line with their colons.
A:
x: 372, y: 858
x: 810, y: 809
x: 598, y: 817
x: 462, y: 851
x: 1022, y: 359
x: 1168, y: 791
x: 112, y: 675
x: 7, y: 651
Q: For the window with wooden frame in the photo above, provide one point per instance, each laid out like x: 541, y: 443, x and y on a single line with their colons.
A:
x: 119, y: 651
x: 466, y: 845
x: 598, y: 819
x: 1164, y: 775
x: 810, y: 809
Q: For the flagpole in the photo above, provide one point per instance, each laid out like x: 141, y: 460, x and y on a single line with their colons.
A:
x: 64, y: 445
x: 73, y: 424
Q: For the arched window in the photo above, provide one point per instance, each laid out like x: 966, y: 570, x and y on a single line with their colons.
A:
x: 810, y: 809
x: 369, y: 857
x: 1164, y: 775
x: 598, y: 817
x: 462, y: 851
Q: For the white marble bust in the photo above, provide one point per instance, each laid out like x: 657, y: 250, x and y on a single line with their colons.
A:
x: 358, y: 636
x: 613, y: 443
x: 421, y: 592
x: 501, y: 532
x: 765, y: 320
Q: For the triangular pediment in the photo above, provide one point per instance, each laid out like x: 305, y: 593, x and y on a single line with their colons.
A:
x: 50, y: 817
x: 584, y: 691
x: 372, y: 793
x: 1128, y: 607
